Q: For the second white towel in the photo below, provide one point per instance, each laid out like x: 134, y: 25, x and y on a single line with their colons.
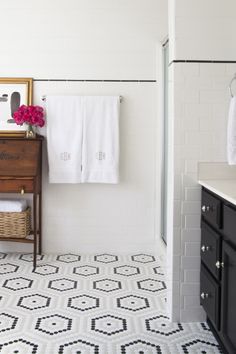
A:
x: 100, y: 151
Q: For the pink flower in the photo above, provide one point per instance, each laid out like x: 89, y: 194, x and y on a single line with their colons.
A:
x: 32, y: 115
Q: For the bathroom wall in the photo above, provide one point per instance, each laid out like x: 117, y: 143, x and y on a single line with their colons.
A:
x: 99, y: 40
x: 202, y: 30
x: 198, y: 113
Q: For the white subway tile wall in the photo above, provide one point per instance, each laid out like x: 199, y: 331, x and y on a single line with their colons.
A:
x: 200, y: 115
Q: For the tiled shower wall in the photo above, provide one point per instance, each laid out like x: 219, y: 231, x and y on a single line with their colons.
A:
x: 200, y: 96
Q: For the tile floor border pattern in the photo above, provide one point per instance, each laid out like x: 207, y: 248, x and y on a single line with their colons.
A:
x: 91, y: 304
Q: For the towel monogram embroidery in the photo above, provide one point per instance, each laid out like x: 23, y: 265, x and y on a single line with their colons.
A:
x: 65, y: 156
x: 100, y: 155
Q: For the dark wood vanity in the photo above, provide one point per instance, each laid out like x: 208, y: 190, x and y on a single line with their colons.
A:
x: 218, y: 267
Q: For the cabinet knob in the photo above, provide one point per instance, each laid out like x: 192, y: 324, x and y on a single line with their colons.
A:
x: 22, y: 190
x: 206, y: 208
x: 204, y: 295
x: 205, y: 248
x: 220, y: 264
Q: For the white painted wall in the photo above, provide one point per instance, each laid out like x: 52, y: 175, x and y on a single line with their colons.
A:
x: 199, y: 104
x: 94, y: 39
x: 203, y: 30
x: 89, y: 39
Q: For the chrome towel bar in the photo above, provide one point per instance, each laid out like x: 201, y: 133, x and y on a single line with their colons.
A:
x: 43, y: 98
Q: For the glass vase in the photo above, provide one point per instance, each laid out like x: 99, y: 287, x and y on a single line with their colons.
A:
x: 30, y: 133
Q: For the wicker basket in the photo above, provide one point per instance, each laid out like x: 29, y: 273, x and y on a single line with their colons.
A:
x: 15, y: 224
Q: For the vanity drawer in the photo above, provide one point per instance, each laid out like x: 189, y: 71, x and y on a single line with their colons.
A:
x: 16, y: 185
x: 211, y: 209
x: 210, y: 249
x: 210, y: 296
x: 229, y: 223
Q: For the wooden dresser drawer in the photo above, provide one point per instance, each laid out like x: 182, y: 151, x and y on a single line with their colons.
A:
x: 19, y: 157
x: 211, y: 209
x: 229, y: 223
x: 210, y: 249
x: 210, y: 296
x: 16, y: 185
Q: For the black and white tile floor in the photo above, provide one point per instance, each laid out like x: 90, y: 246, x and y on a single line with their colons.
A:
x: 102, y: 304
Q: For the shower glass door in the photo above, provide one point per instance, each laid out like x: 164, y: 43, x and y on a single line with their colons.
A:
x: 165, y: 142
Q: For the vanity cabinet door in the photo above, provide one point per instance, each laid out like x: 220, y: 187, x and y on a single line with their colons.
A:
x: 211, y: 209
x: 229, y: 223
x: 209, y: 293
x: 210, y: 249
x: 228, y: 307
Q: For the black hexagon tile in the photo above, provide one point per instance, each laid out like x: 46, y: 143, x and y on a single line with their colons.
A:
x: 151, y: 285
x: 7, y: 322
x: 79, y: 347
x: 3, y: 255
x: 19, y: 283
x: 161, y: 325
x: 157, y: 270
x: 28, y: 257
x: 46, y: 269
x: 34, y: 302
x: 107, y: 285
x: 205, y: 326
x: 106, y: 258
x: 108, y: 325
x: 132, y: 303
x: 126, y: 270
x: 201, y: 346
x: 143, y: 258
x: 86, y: 270
x: 83, y: 302
x: 141, y: 347
x: 19, y: 346
x: 7, y: 268
x: 62, y: 284
x: 68, y: 258
x: 53, y: 324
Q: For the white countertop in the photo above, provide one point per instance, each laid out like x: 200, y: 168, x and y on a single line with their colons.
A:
x: 225, y: 188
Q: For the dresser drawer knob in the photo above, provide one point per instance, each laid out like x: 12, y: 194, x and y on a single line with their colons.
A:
x: 22, y: 190
x: 204, y: 295
x: 205, y: 248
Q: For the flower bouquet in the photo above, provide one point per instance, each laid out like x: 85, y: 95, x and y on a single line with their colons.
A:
x: 30, y: 115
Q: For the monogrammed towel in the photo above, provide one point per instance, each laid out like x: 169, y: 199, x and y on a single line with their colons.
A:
x: 100, y: 150
x: 64, y: 138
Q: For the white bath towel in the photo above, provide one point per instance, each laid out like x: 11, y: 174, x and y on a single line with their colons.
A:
x: 10, y: 205
x: 100, y: 152
x: 64, y: 138
x: 231, y: 133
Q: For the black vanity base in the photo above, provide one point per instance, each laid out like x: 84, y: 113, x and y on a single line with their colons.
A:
x: 222, y: 347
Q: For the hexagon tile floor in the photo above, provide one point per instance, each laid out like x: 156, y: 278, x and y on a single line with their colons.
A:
x: 102, y: 304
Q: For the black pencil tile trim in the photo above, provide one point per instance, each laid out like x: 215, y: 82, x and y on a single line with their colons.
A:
x: 91, y: 80
x: 204, y: 61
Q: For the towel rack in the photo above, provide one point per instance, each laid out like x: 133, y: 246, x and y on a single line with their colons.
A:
x: 230, y: 85
x: 43, y: 98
